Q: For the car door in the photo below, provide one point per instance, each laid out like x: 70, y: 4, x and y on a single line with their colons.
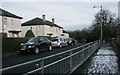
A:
x: 45, y: 43
x: 41, y: 44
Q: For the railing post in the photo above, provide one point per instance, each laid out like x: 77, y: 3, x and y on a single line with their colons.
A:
x: 70, y: 61
x: 42, y: 64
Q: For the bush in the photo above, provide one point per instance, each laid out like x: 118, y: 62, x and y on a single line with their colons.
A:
x: 10, y: 45
x: 29, y: 33
x: 3, y: 35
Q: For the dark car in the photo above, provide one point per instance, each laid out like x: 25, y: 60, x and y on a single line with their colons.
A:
x: 71, y: 41
x: 35, y: 45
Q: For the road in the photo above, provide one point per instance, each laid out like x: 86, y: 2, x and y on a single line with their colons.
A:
x: 16, y: 59
x: 103, y: 62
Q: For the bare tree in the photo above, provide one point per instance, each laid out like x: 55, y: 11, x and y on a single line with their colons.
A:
x: 107, y: 18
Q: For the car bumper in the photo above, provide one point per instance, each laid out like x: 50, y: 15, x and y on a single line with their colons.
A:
x: 55, y: 45
x: 29, y: 50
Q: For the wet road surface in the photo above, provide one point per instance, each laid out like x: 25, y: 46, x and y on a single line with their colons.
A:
x: 103, y: 62
x: 17, y: 59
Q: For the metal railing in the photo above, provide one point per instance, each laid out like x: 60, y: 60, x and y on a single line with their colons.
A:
x: 64, y: 62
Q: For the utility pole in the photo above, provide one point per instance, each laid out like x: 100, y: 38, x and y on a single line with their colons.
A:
x: 101, y: 24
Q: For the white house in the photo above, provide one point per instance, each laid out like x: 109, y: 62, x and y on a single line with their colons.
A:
x: 119, y: 9
x: 10, y: 23
x: 65, y: 34
x: 41, y: 27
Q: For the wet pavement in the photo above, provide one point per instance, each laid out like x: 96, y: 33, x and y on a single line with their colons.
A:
x: 102, y: 62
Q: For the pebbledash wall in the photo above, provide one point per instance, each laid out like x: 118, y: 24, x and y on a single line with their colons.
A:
x: 42, y: 30
x: 119, y: 9
x: 10, y: 23
x: 13, y: 24
x: 0, y: 23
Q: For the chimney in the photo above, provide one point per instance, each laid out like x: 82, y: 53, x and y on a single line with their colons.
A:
x: 43, y: 17
x: 53, y: 20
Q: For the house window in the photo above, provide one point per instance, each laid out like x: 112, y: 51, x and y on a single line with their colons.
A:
x: 4, y: 21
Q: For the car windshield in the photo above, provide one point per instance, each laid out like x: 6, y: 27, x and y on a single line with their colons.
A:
x: 35, y: 40
x: 54, y: 40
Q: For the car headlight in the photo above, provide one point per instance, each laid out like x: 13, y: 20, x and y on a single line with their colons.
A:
x: 30, y: 46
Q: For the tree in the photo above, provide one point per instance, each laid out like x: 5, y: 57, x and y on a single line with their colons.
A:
x: 107, y: 18
x: 29, y: 33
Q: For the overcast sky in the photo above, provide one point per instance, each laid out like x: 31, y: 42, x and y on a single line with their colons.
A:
x: 71, y: 15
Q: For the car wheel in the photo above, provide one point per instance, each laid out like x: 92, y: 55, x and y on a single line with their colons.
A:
x: 50, y: 48
x: 36, y: 50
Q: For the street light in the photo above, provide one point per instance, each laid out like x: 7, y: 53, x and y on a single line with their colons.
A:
x: 101, y: 26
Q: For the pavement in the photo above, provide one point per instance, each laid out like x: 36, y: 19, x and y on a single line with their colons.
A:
x: 103, y: 62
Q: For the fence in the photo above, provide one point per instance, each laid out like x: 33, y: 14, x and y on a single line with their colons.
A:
x: 61, y: 63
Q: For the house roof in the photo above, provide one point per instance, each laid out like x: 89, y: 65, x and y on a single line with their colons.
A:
x: 39, y: 21
x: 8, y: 14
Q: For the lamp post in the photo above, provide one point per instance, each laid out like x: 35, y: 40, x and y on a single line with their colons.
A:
x: 101, y: 26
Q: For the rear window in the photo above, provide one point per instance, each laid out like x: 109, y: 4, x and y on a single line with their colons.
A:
x: 54, y: 40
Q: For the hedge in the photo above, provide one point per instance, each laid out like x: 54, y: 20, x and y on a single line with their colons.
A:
x: 11, y: 45
x: 3, y: 34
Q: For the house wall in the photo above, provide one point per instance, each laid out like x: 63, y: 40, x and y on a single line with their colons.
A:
x: 61, y: 31
x: 119, y: 9
x: 26, y: 28
x: 11, y: 24
x: 0, y: 24
x: 42, y: 30
x: 66, y: 35
x: 38, y: 30
x: 56, y: 31
x: 47, y: 29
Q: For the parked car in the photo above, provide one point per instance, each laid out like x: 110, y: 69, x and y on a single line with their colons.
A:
x: 58, y: 42
x: 35, y: 45
x: 71, y: 41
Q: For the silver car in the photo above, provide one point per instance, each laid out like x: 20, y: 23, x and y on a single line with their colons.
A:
x: 58, y: 42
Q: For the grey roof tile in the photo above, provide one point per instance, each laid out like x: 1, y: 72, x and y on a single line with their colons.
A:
x: 8, y: 14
